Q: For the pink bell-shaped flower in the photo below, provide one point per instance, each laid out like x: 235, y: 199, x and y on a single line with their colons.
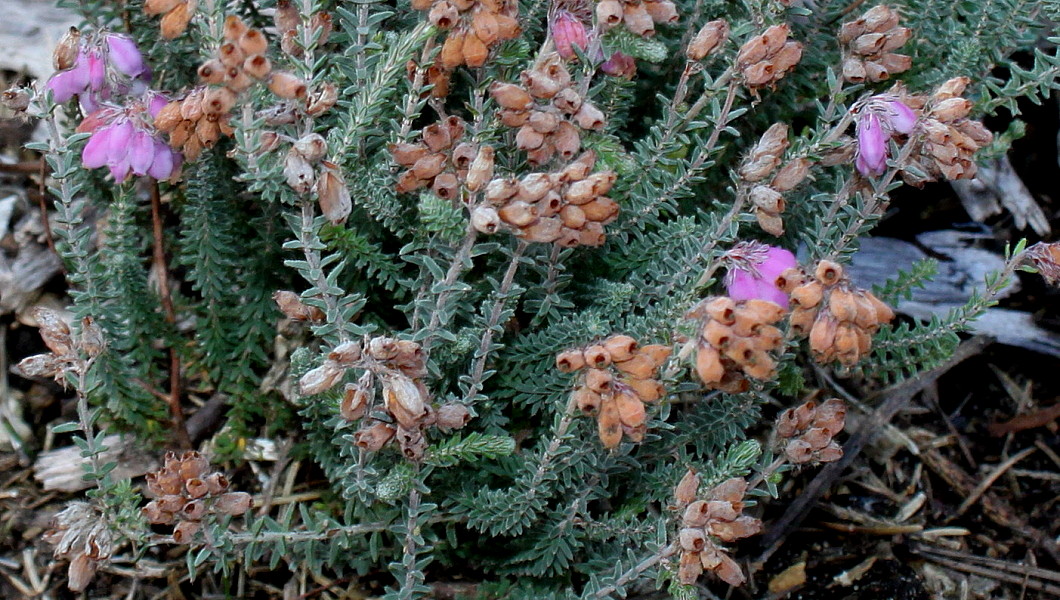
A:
x: 753, y: 271
x: 872, y: 146
x: 567, y: 32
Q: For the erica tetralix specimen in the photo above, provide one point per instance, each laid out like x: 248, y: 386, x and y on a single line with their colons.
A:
x: 706, y: 524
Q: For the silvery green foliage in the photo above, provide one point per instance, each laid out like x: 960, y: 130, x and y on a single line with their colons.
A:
x: 524, y: 497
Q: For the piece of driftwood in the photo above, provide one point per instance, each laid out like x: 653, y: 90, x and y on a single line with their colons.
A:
x: 26, y: 262
x: 961, y: 271
x: 997, y: 188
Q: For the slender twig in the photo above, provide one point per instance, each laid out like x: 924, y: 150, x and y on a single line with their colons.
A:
x: 42, y: 169
x: 635, y: 571
x: 456, y: 268
x: 495, y: 314
x: 176, y: 414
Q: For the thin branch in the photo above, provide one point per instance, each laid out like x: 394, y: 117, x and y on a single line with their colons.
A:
x: 176, y: 414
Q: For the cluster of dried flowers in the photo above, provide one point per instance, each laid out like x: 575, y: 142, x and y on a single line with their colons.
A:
x: 547, y: 111
x: 305, y: 170
x: 619, y: 378
x: 176, y: 14
x: 406, y: 412
x: 185, y: 492
x: 707, y: 523
x: 838, y: 317
x: 64, y: 348
x: 198, y: 121
x: 805, y: 433
x: 950, y: 139
x: 766, y: 58
x: 472, y: 28
x: 81, y: 535
x: 735, y: 340
x: 96, y: 68
x: 708, y: 40
x: 763, y: 161
x: 569, y: 208
x: 638, y: 16
x: 869, y: 44
x: 439, y: 161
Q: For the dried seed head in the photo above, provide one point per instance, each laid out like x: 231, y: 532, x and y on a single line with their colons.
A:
x: 373, y: 437
x: 287, y: 86
x: 452, y: 416
x: 404, y: 400
x: 233, y: 503
x: 320, y: 379
x: 333, y: 194
x: 708, y: 39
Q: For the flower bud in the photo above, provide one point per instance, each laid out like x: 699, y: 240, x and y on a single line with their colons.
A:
x: 298, y: 172
x: 320, y: 379
x: 333, y: 194
x: 485, y: 219
x: 184, y: 532
x: 53, y: 330
x: 287, y: 86
x: 709, y: 38
x: 568, y: 32
x: 452, y: 416
x: 374, y: 437
x: 404, y: 400
x: 354, y: 402
x: 322, y: 99
x: 233, y: 503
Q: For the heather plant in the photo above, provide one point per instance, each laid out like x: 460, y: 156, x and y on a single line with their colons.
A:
x: 419, y: 242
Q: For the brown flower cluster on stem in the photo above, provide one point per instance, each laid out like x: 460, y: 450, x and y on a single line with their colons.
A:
x: 869, y: 44
x: 64, y: 348
x: 763, y: 161
x: 472, y: 27
x: 547, y: 111
x: 185, y: 492
x: 400, y: 366
x: 176, y: 14
x: 765, y: 59
x: 439, y: 161
x: 948, y: 139
x: 735, y: 341
x: 706, y: 523
x: 568, y: 208
x: 305, y: 170
x: 805, y: 432
x: 1046, y: 260
x: 196, y: 122
x: 839, y: 318
x: 82, y: 536
x: 640, y: 17
x: 619, y: 378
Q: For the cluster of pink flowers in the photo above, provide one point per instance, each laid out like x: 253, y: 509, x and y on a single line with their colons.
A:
x: 125, y: 141
x: 102, y: 69
x: 568, y: 32
x: 881, y: 118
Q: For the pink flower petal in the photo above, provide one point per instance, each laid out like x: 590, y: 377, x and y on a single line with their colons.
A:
x: 872, y: 146
x: 777, y: 261
x: 124, y: 55
x: 141, y: 152
x: 97, y: 71
x: 120, y: 171
x: 94, y: 154
x: 741, y: 285
x: 567, y: 33
x: 162, y: 165
x: 903, y: 119
x: 120, y: 139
